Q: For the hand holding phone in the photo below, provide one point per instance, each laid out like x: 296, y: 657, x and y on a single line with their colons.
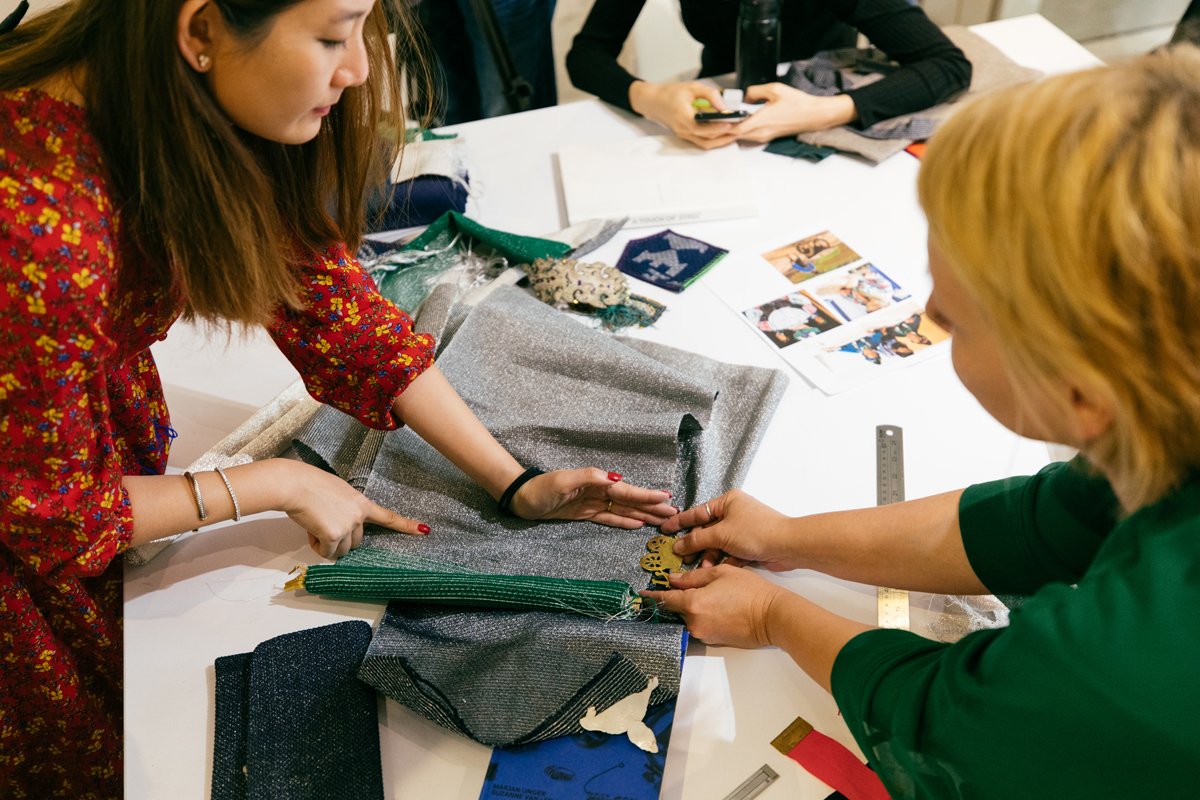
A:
x: 720, y: 116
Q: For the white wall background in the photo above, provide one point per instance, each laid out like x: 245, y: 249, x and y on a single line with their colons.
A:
x: 6, y: 6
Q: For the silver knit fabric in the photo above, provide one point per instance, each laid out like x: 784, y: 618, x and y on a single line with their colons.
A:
x: 507, y: 677
x: 556, y: 395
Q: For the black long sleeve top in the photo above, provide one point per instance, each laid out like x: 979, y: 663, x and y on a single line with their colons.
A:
x: 932, y: 70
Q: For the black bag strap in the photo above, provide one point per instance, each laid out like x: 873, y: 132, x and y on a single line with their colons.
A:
x: 517, y: 91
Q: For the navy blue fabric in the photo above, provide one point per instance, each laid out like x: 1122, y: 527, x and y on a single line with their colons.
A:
x: 294, y: 723
x: 229, y: 735
x: 419, y: 201
x: 314, y: 728
x: 669, y: 260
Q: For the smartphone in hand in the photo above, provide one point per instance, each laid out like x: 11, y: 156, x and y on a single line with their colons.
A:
x: 721, y: 116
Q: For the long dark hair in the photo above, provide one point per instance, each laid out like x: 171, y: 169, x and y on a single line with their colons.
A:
x: 216, y: 212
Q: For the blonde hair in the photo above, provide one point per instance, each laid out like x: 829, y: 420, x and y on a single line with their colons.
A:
x: 1070, y: 210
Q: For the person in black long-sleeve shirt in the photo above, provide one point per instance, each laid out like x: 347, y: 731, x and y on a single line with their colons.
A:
x: 932, y: 70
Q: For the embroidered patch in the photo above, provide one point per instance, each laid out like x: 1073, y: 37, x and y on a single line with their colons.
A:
x: 569, y: 283
x: 669, y: 260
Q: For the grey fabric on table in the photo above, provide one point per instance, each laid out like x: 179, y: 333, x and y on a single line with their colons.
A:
x: 556, y: 395
x: 508, y: 678
x: 834, y: 71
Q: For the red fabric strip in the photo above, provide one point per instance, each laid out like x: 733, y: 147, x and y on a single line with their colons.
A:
x: 833, y: 764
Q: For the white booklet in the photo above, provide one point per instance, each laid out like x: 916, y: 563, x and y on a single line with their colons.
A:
x: 655, y: 180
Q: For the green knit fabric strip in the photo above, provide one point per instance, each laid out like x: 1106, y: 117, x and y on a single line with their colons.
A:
x: 600, y: 599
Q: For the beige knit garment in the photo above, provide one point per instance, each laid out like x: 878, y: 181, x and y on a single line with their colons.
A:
x: 991, y: 70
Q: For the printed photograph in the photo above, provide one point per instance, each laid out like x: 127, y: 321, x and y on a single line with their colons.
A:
x: 811, y: 256
x: 854, y: 293
x: 883, y: 344
x: 792, y: 318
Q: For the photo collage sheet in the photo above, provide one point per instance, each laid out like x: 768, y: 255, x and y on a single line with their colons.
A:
x: 845, y: 321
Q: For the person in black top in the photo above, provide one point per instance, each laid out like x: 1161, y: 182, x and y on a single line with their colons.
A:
x: 932, y: 68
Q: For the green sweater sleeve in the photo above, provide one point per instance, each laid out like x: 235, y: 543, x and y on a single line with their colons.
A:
x: 1090, y: 690
x: 1023, y: 533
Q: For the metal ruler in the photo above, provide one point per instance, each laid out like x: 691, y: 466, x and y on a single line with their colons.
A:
x: 889, y: 488
x: 755, y: 785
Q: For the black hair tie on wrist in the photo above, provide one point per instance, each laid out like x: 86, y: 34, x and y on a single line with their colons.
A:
x: 511, y: 492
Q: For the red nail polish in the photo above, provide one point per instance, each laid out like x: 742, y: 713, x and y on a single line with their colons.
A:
x: 669, y: 495
x: 424, y: 528
x: 614, y: 476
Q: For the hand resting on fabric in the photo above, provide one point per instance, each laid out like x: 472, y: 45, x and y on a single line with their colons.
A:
x: 433, y: 410
x: 585, y: 494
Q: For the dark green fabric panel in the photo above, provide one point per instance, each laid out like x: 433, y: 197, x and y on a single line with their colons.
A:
x: 1022, y: 533
x: 515, y: 592
x: 517, y: 249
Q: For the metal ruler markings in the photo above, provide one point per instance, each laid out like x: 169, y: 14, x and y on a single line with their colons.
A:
x: 753, y: 786
x: 889, y: 488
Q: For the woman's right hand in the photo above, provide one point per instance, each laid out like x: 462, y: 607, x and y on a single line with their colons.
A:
x: 738, y: 527
x: 333, y: 512
x: 671, y: 104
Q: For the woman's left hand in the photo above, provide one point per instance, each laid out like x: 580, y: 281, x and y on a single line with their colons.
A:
x: 789, y: 111
x: 591, y: 494
x: 722, y: 605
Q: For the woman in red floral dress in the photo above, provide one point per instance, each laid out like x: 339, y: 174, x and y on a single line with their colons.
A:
x: 204, y: 158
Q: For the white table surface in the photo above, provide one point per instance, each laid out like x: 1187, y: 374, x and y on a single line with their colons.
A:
x: 218, y: 592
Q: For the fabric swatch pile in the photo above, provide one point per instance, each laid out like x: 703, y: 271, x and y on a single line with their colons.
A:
x: 428, y: 179
x: 556, y: 394
x: 835, y: 71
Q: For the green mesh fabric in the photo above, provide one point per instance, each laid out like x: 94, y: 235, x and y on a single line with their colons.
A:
x: 601, y: 599
x: 409, y: 286
x: 425, y: 135
x: 410, y: 279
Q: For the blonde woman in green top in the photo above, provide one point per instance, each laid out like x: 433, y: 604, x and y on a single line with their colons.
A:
x: 1064, y: 246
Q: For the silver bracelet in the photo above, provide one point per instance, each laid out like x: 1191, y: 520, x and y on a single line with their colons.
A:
x: 237, y: 510
x: 196, y: 491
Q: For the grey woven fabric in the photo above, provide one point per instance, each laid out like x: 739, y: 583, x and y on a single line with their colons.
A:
x: 832, y: 72
x: 509, y: 678
x: 557, y: 395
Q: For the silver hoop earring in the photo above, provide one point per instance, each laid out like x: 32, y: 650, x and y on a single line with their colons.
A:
x: 203, y: 60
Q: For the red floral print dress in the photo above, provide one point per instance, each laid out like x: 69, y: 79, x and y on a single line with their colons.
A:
x: 81, y: 406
